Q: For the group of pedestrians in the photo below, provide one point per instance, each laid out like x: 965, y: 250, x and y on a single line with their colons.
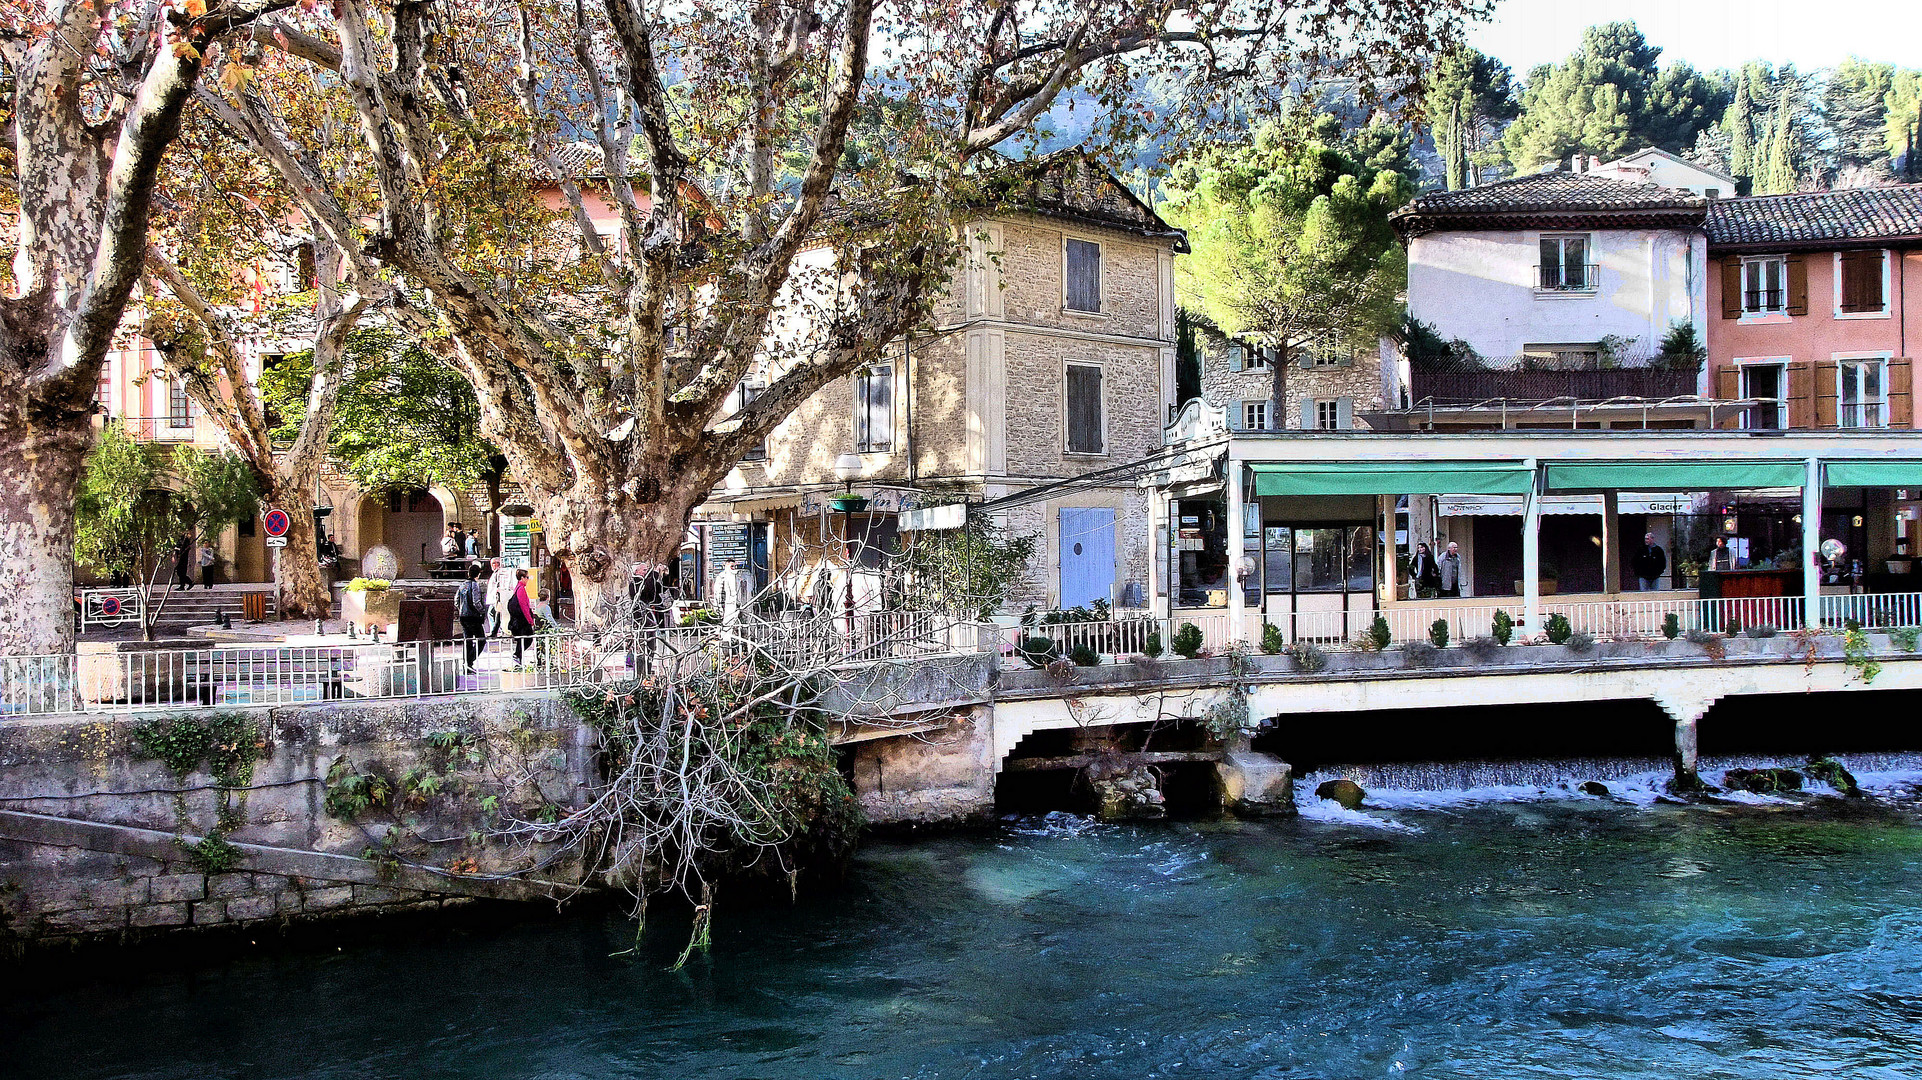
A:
x: 1440, y: 577
x: 459, y: 544
x: 485, y: 607
x: 191, y: 559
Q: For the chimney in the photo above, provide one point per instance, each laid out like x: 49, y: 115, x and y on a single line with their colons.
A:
x: 1594, y: 162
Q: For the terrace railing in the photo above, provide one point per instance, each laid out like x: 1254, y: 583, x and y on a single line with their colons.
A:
x: 1524, y: 386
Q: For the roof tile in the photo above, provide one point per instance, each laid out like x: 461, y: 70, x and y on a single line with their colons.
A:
x: 1817, y: 216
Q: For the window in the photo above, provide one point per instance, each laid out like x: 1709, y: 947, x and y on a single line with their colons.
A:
x: 103, y: 392
x: 745, y: 395
x: 874, y: 409
x: 1712, y: 193
x: 1086, y: 424
x: 1254, y: 416
x: 1565, y: 266
x: 1328, y: 414
x: 1084, y: 276
x: 1862, y: 396
x: 1248, y: 358
x: 1765, y: 381
x: 1764, y: 288
x: 1858, y: 282
x: 179, y: 411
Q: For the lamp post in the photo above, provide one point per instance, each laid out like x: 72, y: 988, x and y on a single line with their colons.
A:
x: 846, y: 468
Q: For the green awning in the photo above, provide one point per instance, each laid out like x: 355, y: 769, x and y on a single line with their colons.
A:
x: 1413, y: 477
x: 1566, y: 476
x: 1885, y: 472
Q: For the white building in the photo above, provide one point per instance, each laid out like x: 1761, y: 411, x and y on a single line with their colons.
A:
x: 1657, y: 166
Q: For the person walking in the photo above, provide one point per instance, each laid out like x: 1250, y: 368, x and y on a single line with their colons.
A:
x: 208, y: 558
x: 470, y: 607
x: 500, y: 586
x: 731, y: 589
x: 1449, y: 569
x: 644, y: 594
x: 184, y: 562
x: 520, y: 616
x: 1650, y: 563
x: 1423, y: 574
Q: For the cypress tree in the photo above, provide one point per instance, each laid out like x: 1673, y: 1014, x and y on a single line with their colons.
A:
x: 1456, y: 161
x: 1776, y: 176
x: 1741, y: 131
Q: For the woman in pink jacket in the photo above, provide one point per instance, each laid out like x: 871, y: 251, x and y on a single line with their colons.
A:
x: 520, y: 615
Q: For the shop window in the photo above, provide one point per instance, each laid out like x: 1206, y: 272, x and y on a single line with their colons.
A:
x: 1198, y: 553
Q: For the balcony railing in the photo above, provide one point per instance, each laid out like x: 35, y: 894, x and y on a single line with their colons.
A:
x: 159, y: 428
x: 1472, y: 387
x: 1580, y: 277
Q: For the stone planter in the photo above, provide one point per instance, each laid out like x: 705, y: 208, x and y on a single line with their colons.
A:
x: 372, y: 607
x: 521, y: 680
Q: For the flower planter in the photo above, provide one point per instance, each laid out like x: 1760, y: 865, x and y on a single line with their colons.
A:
x: 367, y: 608
x: 848, y: 504
x: 520, y: 680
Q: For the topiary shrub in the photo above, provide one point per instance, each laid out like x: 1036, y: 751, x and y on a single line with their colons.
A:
x: 1557, y: 629
x: 1151, y: 648
x: 1503, y: 628
x: 1187, y: 640
x: 1084, y: 655
x: 1579, y: 642
x: 1671, y: 626
x: 1733, y: 629
x: 1379, y: 635
x: 1271, y: 640
x: 1438, y: 633
x: 1038, y: 651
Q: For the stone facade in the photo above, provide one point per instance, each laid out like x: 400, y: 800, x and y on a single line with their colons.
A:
x: 1348, y: 379
x: 980, y: 397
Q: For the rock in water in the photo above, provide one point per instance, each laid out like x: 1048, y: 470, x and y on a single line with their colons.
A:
x: 1346, y: 792
x: 1596, y: 788
x: 1763, y: 781
x: 1834, y: 774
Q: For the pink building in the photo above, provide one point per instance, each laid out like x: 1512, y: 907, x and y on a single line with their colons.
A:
x: 1816, y: 303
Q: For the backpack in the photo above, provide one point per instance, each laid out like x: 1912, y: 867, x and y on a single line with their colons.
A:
x: 466, y: 604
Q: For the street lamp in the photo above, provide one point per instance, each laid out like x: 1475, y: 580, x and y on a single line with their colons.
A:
x: 846, y: 468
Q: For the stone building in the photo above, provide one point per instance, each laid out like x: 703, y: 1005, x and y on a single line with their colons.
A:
x: 1050, y: 356
x: 1326, y: 386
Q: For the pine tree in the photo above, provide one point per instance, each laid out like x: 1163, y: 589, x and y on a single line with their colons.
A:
x: 1608, y: 98
x: 1469, y: 99
x: 1855, y: 103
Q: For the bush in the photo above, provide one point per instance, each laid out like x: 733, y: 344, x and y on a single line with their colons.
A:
x: 1905, y: 638
x: 1483, y: 648
x: 1760, y: 631
x: 1271, y: 640
x: 1579, y: 642
x: 1309, y: 657
x: 1558, y: 629
x: 1420, y: 654
x: 369, y: 584
x: 1503, y: 628
x: 1853, y: 626
x: 1671, y: 626
x: 1378, y: 634
x: 1151, y: 648
x: 1188, y: 640
x: 1438, y: 633
x: 1698, y: 636
x: 1038, y: 651
x: 1733, y: 629
x: 1084, y: 655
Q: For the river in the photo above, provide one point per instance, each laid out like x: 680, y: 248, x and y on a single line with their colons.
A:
x: 1520, y: 931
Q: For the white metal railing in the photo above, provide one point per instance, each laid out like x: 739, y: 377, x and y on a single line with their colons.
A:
x: 1121, y: 635
x: 223, y: 676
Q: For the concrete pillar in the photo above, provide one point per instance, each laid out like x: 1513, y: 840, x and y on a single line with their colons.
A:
x: 1532, y: 552
x: 1611, y: 543
x: 1687, y: 746
x: 1811, y: 544
x: 1236, y: 551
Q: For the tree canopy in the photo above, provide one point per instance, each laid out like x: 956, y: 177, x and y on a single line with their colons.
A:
x: 1609, y: 98
x: 1468, y: 102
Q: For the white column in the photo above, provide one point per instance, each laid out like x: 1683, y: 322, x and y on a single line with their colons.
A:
x: 1236, y: 608
x: 1812, y: 544
x: 1532, y: 552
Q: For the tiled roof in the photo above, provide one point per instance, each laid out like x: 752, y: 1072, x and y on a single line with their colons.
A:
x: 1557, y: 191
x: 1818, y: 217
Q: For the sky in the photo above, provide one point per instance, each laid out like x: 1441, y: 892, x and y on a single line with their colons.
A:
x: 1712, y: 33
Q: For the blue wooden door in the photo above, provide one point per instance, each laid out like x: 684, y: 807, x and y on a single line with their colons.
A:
x: 1087, y: 555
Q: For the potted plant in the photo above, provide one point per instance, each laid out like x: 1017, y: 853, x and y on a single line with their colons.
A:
x: 1549, y: 579
x: 370, y: 602
x: 524, y: 676
x: 848, y: 504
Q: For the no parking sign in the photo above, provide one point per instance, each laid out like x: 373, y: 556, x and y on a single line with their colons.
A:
x: 275, y: 521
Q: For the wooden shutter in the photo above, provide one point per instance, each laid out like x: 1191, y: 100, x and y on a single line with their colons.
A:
x: 1728, y: 387
x: 1084, y: 409
x: 1824, y: 395
x: 1849, y: 267
x: 1901, y: 393
x: 1307, y: 421
x: 1731, y: 288
x: 1345, y: 413
x: 1236, y: 353
x: 1084, y: 276
x: 1798, y: 275
x: 1802, y: 394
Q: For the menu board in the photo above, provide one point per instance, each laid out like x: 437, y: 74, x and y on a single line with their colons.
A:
x: 725, y: 544
x: 517, y: 547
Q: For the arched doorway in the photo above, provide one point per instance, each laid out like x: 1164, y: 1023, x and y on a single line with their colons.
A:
x: 408, y: 520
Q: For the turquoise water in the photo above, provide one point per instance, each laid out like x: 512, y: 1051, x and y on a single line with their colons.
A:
x: 1549, y: 938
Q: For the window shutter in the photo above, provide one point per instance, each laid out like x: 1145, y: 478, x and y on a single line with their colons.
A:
x: 1345, y: 413
x: 1801, y: 394
x: 1728, y: 387
x: 1236, y: 357
x: 1307, y: 360
x: 1824, y: 394
x: 1084, y: 409
x: 1901, y: 393
x: 1731, y: 288
x: 1084, y: 276
x: 1307, y: 413
x: 860, y: 411
x: 1849, y: 267
x: 1345, y: 357
x: 1798, y: 271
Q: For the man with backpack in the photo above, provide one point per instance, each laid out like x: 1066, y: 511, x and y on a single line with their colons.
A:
x: 470, y: 607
